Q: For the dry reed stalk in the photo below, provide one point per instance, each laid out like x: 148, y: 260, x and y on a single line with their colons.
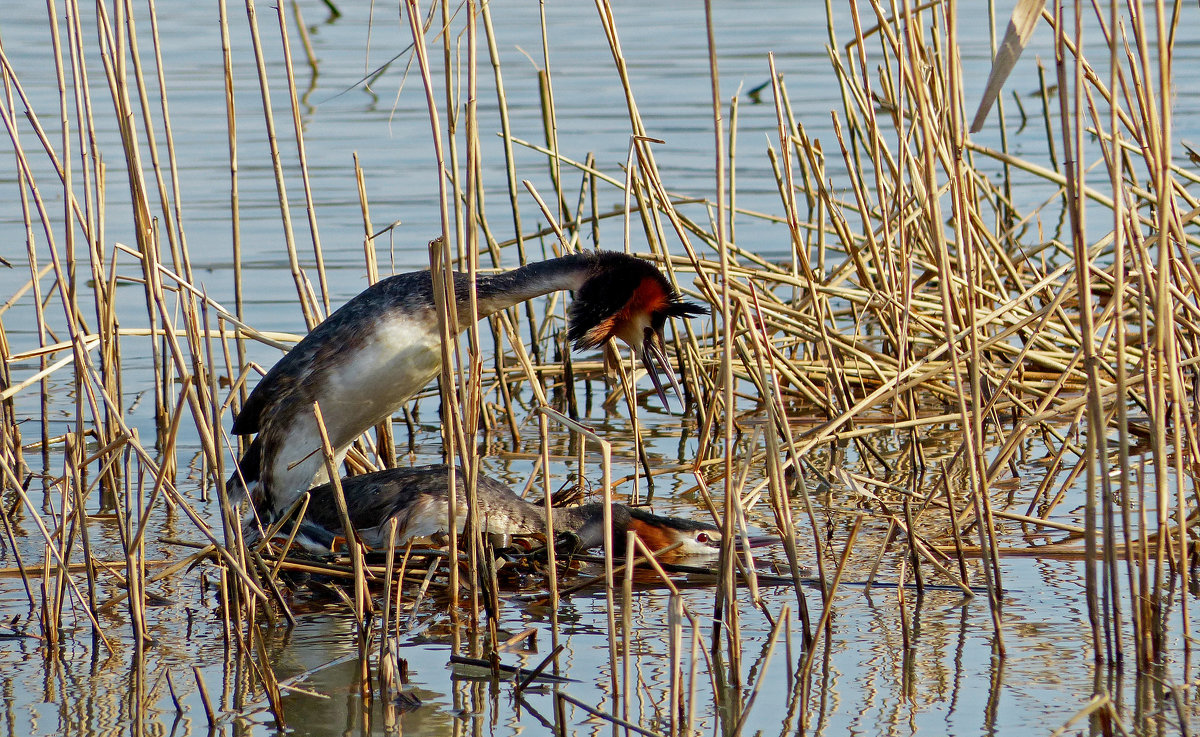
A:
x: 725, y: 605
x: 25, y: 183
x: 1101, y: 705
x: 387, y: 665
x: 385, y: 438
x: 234, y: 191
x: 535, y: 385
x: 361, y: 602
x: 303, y: 290
x: 442, y: 284
x: 54, y: 554
x: 209, y: 712
x: 173, y: 215
x: 91, y: 228
x: 826, y: 610
x: 1072, y: 134
x: 266, y: 676
x: 180, y: 502
x: 452, y: 114
x: 549, y: 124
x: 302, y: 160
x: 21, y: 570
x: 452, y: 426
x: 606, y: 501
x: 675, y: 695
x: 115, y: 47
x: 616, y: 722
x: 509, y: 158
x: 342, y: 571
x: 471, y: 393
x: 551, y: 553
x: 1113, y: 546
x: 627, y: 620
x: 119, y: 84
x: 52, y: 601
x: 761, y: 667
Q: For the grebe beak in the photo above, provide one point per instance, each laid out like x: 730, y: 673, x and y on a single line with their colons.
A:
x: 654, y: 359
x: 757, y: 541
x: 740, y: 543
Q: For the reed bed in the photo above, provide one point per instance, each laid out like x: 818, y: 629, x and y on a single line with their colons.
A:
x: 874, y: 397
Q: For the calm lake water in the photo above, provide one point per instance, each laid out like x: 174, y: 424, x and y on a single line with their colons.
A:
x: 948, y: 682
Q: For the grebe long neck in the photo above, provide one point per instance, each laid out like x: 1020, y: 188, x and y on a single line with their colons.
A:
x: 495, y: 292
x: 586, y: 522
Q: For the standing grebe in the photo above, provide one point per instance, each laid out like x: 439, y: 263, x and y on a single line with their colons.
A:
x: 383, y: 346
x: 416, y: 498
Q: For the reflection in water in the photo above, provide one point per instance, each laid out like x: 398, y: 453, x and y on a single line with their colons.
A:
x: 891, y: 661
x: 864, y: 678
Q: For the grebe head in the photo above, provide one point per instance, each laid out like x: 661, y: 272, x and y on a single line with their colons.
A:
x: 628, y: 298
x: 695, y: 539
x: 658, y: 532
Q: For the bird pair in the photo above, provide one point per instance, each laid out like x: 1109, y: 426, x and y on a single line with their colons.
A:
x: 383, y: 346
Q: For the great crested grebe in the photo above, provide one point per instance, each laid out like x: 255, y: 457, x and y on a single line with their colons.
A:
x: 383, y: 346
x: 416, y: 498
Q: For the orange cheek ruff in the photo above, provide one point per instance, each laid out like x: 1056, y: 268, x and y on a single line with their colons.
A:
x: 600, y: 333
x: 652, y: 536
x: 648, y: 298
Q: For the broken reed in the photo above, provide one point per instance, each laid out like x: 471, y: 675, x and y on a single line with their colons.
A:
x: 914, y: 299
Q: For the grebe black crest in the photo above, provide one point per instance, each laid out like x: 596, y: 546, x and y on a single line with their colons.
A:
x: 383, y: 346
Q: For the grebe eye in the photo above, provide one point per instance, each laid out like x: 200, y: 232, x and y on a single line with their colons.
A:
x: 702, y: 537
